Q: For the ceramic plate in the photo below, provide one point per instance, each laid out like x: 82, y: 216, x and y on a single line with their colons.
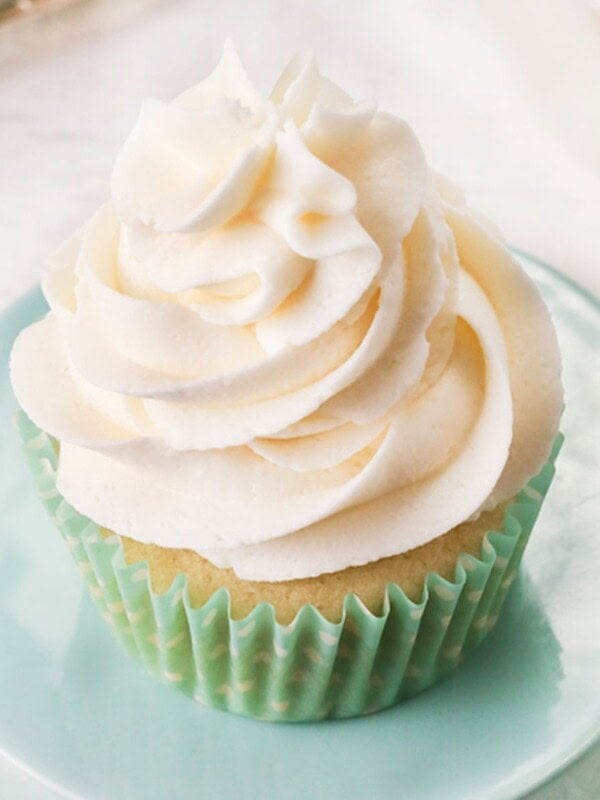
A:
x: 88, y: 721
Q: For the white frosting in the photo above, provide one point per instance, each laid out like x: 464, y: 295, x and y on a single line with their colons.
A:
x: 285, y: 344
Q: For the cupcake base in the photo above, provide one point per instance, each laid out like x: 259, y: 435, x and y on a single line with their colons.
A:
x: 326, y: 593
x: 311, y: 668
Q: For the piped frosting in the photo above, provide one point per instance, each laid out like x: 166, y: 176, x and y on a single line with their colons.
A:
x: 285, y: 343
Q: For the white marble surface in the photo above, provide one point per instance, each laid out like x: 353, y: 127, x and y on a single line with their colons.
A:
x: 503, y: 93
x: 504, y: 96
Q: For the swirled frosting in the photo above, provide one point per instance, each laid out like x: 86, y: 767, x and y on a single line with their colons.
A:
x: 285, y: 343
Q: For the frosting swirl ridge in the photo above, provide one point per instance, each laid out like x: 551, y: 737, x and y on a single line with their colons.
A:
x: 285, y: 343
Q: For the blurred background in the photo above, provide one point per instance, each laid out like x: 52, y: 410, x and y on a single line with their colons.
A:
x: 504, y: 95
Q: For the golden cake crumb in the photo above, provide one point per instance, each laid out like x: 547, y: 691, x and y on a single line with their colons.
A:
x: 325, y: 592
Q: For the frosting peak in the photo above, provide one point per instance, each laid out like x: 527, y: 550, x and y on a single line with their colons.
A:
x: 285, y: 344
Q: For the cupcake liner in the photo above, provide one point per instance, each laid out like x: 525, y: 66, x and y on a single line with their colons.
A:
x: 312, y: 668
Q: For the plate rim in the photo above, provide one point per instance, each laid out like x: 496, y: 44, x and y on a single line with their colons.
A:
x: 511, y: 789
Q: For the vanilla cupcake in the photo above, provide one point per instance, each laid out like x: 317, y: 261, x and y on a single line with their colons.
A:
x: 293, y: 404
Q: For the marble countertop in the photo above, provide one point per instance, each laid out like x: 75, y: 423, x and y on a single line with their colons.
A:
x: 520, y: 134
x: 504, y: 96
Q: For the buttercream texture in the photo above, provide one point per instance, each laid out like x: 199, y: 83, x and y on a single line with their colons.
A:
x: 285, y: 344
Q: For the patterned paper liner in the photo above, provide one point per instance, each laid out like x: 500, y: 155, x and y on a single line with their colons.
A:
x: 312, y: 668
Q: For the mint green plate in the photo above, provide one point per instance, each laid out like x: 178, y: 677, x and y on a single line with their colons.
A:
x: 88, y: 721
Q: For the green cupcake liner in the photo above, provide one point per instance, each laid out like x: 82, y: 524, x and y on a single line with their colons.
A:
x: 311, y: 669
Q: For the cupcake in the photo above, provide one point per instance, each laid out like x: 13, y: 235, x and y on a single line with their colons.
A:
x: 294, y: 407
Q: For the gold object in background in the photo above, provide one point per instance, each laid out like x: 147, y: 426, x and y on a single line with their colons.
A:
x: 18, y: 9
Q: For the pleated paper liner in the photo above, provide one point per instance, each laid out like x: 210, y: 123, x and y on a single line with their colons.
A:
x: 311, y: 669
